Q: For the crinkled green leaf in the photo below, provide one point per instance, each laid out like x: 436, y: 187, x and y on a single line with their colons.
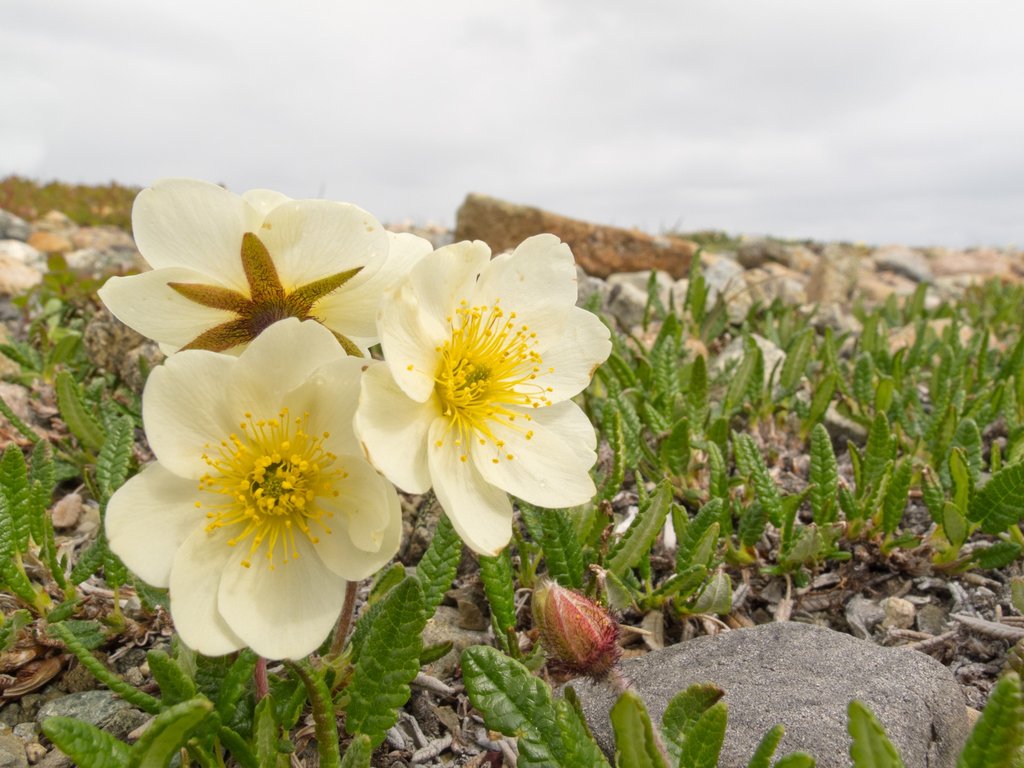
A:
x: 634, y: 735
x: 752, y: 462
x: 718, y: 486
x: 10, y: 627
x: 703, y: 743
x: 968, y: 438
x: 168, y: 733
x: 870, y: 747
x: 674, y: 449
x: 742, y: 379
x: 114, y: 460
x: 998, y: 736
x: 496, y: 574
x: 359, y: 752
x: 696, y: 530
x: 86, y: 744
x: 77, y: 414
x: 880, y: 449
x: 795, y: 760
x: 563, y: 553
x: 266, y: 736
x: 436, y: 569
x: 716, y: 597
x: 895, y: 500
x: 999, y: 503
x: 683, y: 713
x: 798, y: 354
x: 615, y: 434
x: 824, y: 476
x: 762, y: 756
x: 577, y: 743
x: 997, y: 555
x: 15, y: 486
x: 697, y: 393
x: 388, y: 662
x: 325, y: 724
x: 638, y: 538
x: 175, y: 685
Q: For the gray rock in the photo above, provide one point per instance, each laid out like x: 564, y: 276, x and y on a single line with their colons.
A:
x: 626, y: 304
x: 13, y: 227
x: 803, y: 677
x: 754, y: 253
x: 444, y: 627
x: 12, y: 751
x: 842, y: 428
x: 96, y: 707
x: 904, y: 261
x: 640, y: 280
x: 733, y: 354
x: 932, y: 619
x: 587, y: 286
x: 23, y: 253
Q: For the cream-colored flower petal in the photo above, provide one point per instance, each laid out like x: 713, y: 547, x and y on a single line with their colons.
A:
x: 330, y: 396
x: 264, y: 200
x: 285, y: 613
x: 188, y: 404
x: 480, y: 513
x: 571, y: 357
x: 147, y: 304
x: 280, y: 359
x: 148, y: 518
x: 366, y: 527
x: 442, y: 279
x: 537, y: 278
x: 411, y: 346
x: 352, y: 309
x: 545, y: 469
x: 313, y: 239
x: 392, y: 429
x: 195, y: 579
x: 189, y: 223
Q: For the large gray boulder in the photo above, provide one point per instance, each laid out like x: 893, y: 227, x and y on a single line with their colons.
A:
x: 803, y: 677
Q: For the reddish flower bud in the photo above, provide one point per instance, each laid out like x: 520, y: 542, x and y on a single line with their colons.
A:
x: 579, y: 635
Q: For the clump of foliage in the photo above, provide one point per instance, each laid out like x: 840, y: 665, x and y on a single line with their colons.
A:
x: 88, y: 205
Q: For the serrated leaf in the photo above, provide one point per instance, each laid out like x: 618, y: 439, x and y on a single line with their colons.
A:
x: 388, y: 662
x: 577, y: 741
x: 638, y: 538
x: 742, y: 379
x: 895, y: 500
x: 821, y: 398
x: 15, y: 487
x: 696, y: 532
x: 795, y: 760
x: 703, y: 743
x: 436, y: 569
x: 752, y: 461
x: 870, y: 747
x: 824, y: 476
x: 880, y: 449
x: 513, y: 702
x: 798, y: 354
x: 674, y: 450
x: 634, y: 735
x: 998, y: 735
x: 359, y: 752
x: 697, y: 393
x: 77, y: 414
x: 684, y: 711
x: 681, y: 584
x: 1017, y: 593
x: 753, y: 520
x: 168, y: 733
x: 563, y: 553
x: 115, y: 457
x: 968, y: 438
x: 89, y: 633
x: 762, y: 756
x: 954, y: 524
x: 499, y: 586
x: 615, y: 434
x: 933, y: 495
x: 960, y: 478
x: 997, y: 555
x: 175, y: 685
x: 86, y: 744
x: 1000, y: 502
x: 10, y: 627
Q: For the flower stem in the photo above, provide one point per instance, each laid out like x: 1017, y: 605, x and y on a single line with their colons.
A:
x: 259, y: 677
x: 345, y: 620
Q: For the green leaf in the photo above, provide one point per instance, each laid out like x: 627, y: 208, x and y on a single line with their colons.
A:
x: 674, y: 450
x: 638, y: 538
x: 577, y: 743
x: 436, y: 569
x: 716, y: 597
x: 77, y: 414
x: 880, y: 449
x: 795, y: 760
x: 615, y: 434
x: 696, y: 531
x: 496, y: 573
x: 266, y: 736
x: 387, y: 663
x: 719, y: 483
x: 1000, y: 502
x: 870, y: 747
x: 933, y: 494
x: 997, y: 555
x: 821, y: 399
x: 742, y: 378
x: 752, y: 463
x: 703, y: 744
x: 798, y: 354
x: 998, y: 736
x: 175, y: 685
x: 555, y: 533
x: 86, y: 744
x: 697, y: 394
x: 515, y: 703
x: 326, y: 726
x: 824, y: 475
x: 10, y: 627
x: 762, y: 756
x: 683, y: 713
x: 115, y: 457
x: 1016, y: 594
x: 90, y: 634
x: 14, y: 485
x: 359, y: 752
x: 954, y: 524
x: 895, y: 500
x: 634, y: 735
x: 963, y: 485
x: 17, y: 423
x: 752, y: 524
x: 968, y: 437
x: 168, y: 733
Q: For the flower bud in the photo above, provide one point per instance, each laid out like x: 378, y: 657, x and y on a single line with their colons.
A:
x: 578, y: 634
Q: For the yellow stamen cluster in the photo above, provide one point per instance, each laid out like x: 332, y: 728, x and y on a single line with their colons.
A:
x: 488, y: 373
x: 271, y: 473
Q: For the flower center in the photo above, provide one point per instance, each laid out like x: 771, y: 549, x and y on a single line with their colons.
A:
x: 271, y: 475
x: 488, y: 374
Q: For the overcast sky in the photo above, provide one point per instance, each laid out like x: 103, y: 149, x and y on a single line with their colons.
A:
x: 871, y: 120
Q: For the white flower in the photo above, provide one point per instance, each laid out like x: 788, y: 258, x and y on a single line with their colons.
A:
x: 260, y: 505
x: 482, y: 358
x: 225, y: 267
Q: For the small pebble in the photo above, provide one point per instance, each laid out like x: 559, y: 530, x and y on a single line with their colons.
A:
x: 67, y: 512
x: 35, y: 752
x: 899, y: 613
